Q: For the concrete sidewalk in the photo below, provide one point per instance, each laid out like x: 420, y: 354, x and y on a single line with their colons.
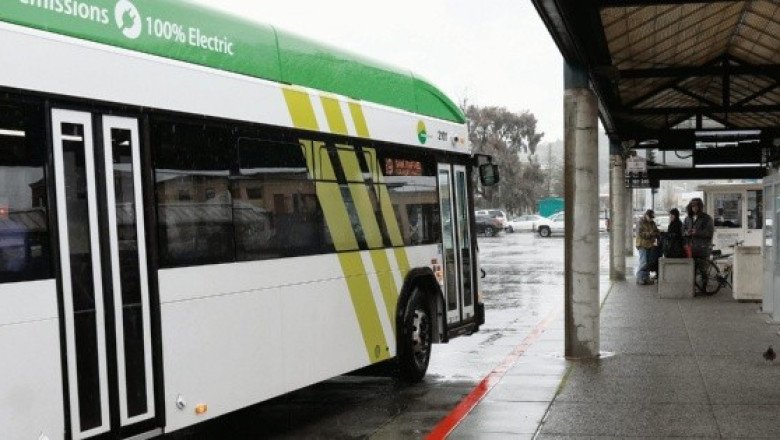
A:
x: 673, y: 369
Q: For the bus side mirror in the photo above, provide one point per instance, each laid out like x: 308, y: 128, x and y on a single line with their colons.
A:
x: 488, y: 174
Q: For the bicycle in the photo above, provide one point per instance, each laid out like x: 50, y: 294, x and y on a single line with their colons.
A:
x: 710, y: 279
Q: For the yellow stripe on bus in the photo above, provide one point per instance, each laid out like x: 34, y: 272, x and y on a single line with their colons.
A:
x: 301, y: 109
x: 334, y: 115
x: 331, y: 199
x: 384, y: 273
x: 367, y: 216
x: 345, y: 243
x: 391, y: 221
x: 360, y: 197
x: 371, y: 161
x: 362, y: 200
x: 365, y: 306
x: 360, y: 119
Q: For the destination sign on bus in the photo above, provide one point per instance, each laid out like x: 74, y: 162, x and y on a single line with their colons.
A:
x: 401, y: 167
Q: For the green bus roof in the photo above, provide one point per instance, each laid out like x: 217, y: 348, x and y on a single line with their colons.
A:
x: 196, y: 34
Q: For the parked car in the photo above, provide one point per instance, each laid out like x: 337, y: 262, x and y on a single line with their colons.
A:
x: 494, y: 213
x: 524, y: 223
x: 553, y: 225
x: 488, y: 225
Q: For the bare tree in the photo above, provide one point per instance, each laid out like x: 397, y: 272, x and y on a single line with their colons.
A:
x: 505, y: 136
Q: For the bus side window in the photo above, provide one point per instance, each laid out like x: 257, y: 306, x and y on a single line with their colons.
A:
x: 413, y: 191
x: 194, y: 204
x: 25, y: 253
x: 275, y: 207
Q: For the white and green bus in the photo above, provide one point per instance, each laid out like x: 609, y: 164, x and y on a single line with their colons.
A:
x: 199, y: 213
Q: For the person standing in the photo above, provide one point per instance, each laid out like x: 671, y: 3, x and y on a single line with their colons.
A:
x: 698, y: 229
x: 673, y: 238
x: 646, y: 236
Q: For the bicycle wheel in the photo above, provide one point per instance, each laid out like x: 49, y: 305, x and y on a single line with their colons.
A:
x: 707, y: 282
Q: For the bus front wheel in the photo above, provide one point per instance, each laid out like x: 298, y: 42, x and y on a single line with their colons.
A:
x: 416, y: 338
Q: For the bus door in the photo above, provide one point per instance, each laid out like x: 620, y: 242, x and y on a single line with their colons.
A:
x: 104, y: 279
x: 465, y: 251
x: 457, y: 252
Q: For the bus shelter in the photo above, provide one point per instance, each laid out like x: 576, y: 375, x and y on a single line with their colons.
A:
x: 693, y: 83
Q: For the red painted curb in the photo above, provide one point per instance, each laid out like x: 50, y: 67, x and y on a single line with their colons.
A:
x: 465, y: 406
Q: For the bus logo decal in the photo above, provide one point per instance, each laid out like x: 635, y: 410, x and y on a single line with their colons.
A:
x: 126, y: 9
x: 422, y: 132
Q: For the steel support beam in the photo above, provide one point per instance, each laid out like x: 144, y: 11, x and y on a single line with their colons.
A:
x: 757, y: 94
x: 701, y: 109
x: 659, y: 174
x: 631, y: 3
x: 690, y: 94
x: 769, y: 70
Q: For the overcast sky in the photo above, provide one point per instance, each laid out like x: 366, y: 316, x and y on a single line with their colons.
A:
x: 493, y: 52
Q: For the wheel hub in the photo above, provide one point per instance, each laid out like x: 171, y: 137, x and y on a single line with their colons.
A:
x: 420, y: 336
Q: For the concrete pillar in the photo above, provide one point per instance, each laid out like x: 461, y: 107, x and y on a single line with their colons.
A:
x: 630, y: 223
x: 582, y: 215
x: 617, y: 214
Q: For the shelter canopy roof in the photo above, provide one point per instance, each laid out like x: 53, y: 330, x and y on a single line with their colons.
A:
x: 658, y: 63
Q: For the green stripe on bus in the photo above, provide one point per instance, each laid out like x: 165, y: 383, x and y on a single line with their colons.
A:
x: 301, y: 109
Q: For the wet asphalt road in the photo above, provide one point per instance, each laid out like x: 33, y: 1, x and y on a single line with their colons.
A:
x: 524, y: 284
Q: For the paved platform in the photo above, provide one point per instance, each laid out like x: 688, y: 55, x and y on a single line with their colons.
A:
x: 672, y: 369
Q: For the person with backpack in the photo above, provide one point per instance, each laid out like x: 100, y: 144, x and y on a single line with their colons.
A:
x: 646, y: 236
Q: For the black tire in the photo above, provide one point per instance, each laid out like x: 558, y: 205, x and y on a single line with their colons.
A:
x: 544, y: 231
x: 489, y: 231
x: 415, y: 338
x: 510, y: 230
x: 707, y: 282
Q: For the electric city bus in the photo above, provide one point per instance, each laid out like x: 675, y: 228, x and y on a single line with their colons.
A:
x: 199, y: 213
